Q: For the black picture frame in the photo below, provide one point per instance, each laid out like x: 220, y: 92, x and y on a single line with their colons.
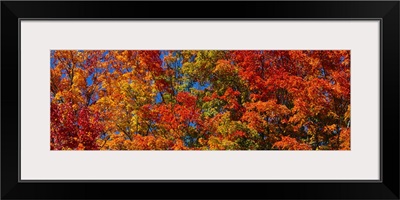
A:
x: 13, y: 11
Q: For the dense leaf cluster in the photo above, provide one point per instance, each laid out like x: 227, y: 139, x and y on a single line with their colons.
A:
x: 200, y: 100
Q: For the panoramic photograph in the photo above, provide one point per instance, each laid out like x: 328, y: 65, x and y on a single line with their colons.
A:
x: 200, y: 100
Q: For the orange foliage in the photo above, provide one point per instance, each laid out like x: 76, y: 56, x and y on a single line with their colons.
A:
x: 200, y: 100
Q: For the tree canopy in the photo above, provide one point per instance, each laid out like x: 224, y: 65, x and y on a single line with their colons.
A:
x: 200, y: 100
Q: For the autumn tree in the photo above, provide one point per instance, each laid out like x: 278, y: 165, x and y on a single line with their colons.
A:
x: 200, y: 100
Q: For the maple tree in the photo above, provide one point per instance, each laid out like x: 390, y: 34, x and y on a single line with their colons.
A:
x: 200, y: 100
